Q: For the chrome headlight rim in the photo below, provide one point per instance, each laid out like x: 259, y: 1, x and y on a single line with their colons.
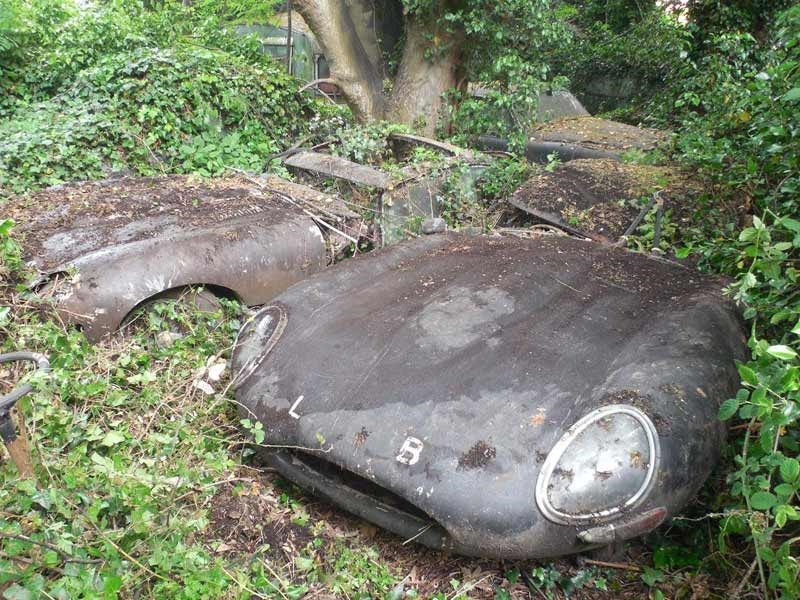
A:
x: 560, y: 447
x: 269, y: 338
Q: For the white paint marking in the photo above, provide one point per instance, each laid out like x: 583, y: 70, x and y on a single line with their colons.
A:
x: 410, y: 451
x: 295, y: 405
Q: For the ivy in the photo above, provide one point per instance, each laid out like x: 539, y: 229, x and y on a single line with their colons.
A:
x: 121, y: 90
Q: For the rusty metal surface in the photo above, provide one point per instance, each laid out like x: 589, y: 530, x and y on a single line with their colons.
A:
x: 118, y: 242
x: 598, y: 134
x: 338, y: 167
x: 452, y: 364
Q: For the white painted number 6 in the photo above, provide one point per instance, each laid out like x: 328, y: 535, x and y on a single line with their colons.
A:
x: 409, y: 453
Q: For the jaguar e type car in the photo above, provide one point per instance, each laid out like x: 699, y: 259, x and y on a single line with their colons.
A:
x: 103, y: 249
x: 496, y: 396
x: 566, y: 129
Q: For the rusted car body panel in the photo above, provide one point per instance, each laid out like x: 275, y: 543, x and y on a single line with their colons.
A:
x: 607, y: 200
x: 105, y: 247
x: 416, y: 194
x: 419, y: 375
x: 567, y: 130
x: 338, y: 167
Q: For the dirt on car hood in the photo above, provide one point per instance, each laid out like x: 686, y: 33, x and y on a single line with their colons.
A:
x: 603, y: 197
x: 61, y: 224
x: 599, y: 134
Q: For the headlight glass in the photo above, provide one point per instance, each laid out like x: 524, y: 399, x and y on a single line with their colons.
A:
x: 603, y: 465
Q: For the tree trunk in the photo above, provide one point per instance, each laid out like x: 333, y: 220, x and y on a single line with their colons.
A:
x: 351, y: 65
x: 428, y: 67
x: 422, y: 80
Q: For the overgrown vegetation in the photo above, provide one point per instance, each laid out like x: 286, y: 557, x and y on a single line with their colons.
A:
x: 115, y: 89
x: 736, y: 109
x: 730, y: 89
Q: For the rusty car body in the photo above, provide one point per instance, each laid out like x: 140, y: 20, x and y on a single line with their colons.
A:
x: 413, y: 193
x: 565, y: 129
x: 575, y: 384
x: 102, y: 249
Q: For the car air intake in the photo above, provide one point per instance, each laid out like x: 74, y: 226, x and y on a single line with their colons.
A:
x: 360, y: 496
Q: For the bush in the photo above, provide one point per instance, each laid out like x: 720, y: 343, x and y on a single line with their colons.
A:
x: 735, y: 105
x: 152, y: 111
x: 142, y: 91
x: 643, y: 50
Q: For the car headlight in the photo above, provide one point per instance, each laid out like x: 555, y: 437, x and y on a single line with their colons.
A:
x: 605, y: 464
x: 255, y: 341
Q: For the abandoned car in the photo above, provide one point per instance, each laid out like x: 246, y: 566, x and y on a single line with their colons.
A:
x: 102, y: 249
x: 566, y: 129
x: 575, y: 385
x: 607, y: 200
x: 412, y: 194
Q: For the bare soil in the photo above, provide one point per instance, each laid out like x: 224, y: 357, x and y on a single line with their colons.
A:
x: 246, y: 514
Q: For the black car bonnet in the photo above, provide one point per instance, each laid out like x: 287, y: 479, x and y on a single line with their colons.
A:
x: 446, y: 369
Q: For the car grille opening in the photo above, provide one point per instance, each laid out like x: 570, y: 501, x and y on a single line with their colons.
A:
x: 360, y: 496
x: 361, y: 484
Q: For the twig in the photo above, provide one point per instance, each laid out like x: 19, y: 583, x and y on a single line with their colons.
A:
x: 276, y: 576
x: 745, y: 579
x: 611, y: 565
x: 245, y: 588
x: 317, y: 219
x: 116, y: 546
x: 311, y: 84
x: 567, y: 285
x: 635, y: 223
x: 198, y: 488
x: 64, y: 555
x: 419, y: 533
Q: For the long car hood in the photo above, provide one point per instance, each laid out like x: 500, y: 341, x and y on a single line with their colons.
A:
x: 445, y: 369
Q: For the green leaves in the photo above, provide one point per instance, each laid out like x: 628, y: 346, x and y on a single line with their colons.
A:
x: 792, y: 95
x: 118, y: 92
x: 763, y: 500
x: 112, y: 438
x: 782, y: 352
x: 790, y: 470
x: 256, y: 429
x: 728, y: 408
x: 747, y: 374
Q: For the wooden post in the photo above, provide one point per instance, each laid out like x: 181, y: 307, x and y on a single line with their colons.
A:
x: 17, y: 445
